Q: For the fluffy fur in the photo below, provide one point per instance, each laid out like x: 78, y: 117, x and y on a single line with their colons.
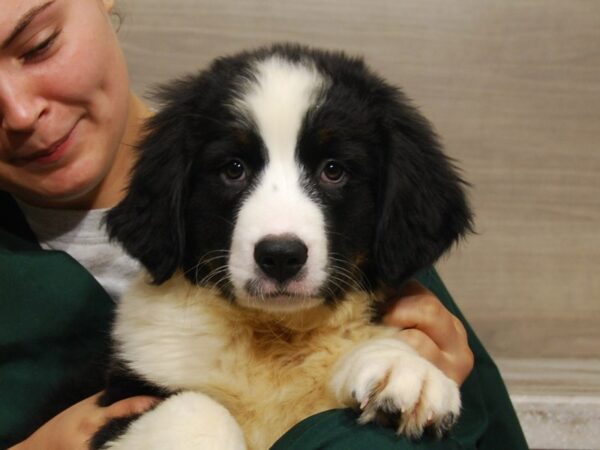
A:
x: 275, y: 192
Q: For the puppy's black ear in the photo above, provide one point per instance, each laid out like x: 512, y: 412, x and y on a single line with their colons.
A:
x: 423, y: 207
x: 149, y: 221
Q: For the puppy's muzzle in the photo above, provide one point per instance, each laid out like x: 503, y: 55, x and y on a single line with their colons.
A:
x: 280, y: 257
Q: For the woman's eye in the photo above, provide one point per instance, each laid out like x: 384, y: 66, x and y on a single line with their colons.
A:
x: 40, y: 49
x: 234, y: 170
x: 332, y: 172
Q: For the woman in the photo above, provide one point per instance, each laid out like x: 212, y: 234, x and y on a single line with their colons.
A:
x: 69, y: 124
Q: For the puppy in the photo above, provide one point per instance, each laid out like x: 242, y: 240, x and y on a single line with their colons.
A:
x: 276, y: 192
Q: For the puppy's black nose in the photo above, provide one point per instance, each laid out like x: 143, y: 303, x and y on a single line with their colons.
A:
x: 280, y: 258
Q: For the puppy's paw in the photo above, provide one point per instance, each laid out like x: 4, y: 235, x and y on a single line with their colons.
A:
x: 184, y: 421
x: 391, y: 384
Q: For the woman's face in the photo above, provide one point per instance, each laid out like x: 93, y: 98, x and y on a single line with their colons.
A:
x: 64, y: 99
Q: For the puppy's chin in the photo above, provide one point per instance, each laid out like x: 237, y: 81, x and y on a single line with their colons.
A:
x: 264, y: 294
x: 281, y: 303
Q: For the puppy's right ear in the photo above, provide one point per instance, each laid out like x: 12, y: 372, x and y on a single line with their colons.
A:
x: 149, y: 221
x: 423, y: 205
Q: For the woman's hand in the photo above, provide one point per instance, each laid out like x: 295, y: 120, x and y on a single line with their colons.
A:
x: 432, y: 330
x: 73, y: 428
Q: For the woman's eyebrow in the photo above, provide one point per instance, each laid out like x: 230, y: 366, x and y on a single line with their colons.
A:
x: 24, y: 22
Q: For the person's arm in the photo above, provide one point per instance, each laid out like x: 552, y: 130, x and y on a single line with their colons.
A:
x: 431, y: 329
x: 73, y: 428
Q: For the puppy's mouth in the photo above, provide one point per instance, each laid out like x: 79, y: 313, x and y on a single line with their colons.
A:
x: 266, y: 287
x: 266, y: 294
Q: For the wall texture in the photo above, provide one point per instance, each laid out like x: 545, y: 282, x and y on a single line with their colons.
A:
x: 513, y: 88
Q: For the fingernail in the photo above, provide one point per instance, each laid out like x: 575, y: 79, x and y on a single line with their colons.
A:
x: 145, y: 404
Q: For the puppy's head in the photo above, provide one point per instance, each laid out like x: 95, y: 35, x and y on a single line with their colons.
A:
x: 287, y: 176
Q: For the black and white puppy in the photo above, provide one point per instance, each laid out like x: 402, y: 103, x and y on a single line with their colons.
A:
x: 275, y: 193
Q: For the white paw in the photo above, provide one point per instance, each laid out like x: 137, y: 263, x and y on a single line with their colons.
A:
x: 184, y: 421
x: 393, y: 385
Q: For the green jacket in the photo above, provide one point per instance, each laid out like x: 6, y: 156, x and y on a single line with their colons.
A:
x: 55, y: 317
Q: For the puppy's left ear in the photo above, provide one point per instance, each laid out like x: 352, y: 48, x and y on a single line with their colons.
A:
x: 422, y: 204
x: 149, y: 221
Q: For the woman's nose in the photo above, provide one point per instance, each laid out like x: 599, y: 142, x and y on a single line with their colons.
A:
x: 20, y: 109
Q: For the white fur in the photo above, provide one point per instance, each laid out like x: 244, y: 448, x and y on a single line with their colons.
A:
x: 273, y: 370
x: 165, y: 336
x: 186, y: 421
x: 277, y: 102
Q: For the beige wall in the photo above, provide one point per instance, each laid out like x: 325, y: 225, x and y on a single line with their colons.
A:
x: 513, y: 88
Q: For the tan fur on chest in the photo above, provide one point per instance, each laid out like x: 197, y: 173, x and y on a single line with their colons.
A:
x: 269, y: 371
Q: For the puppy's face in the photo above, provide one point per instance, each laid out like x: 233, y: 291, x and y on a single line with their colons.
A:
x: 284, y: 191
x: 286, y: 177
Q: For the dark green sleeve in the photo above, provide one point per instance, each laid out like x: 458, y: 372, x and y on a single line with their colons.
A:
x: 54, y: 320
x: 488, y: 420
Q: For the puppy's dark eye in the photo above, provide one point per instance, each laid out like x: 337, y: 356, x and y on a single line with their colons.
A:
x: 234, y: 170
x: 332, y: 172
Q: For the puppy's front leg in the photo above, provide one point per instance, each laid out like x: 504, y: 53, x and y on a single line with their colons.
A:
x: 390, y: 382
x: 184, y: 421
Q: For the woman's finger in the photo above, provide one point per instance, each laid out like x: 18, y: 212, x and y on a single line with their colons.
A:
x: 130, y: 406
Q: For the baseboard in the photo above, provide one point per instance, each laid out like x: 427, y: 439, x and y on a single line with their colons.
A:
x: 557, y: 401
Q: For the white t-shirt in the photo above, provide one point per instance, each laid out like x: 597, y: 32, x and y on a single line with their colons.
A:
x: 82, y: 235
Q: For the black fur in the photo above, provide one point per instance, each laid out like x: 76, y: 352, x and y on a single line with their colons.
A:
x: 124, y: 383
x: 112, y: 430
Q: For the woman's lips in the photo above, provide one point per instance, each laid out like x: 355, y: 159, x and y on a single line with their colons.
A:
x: 52, y: 154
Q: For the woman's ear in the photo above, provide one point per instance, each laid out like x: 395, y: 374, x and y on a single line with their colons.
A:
x: 423, y: 209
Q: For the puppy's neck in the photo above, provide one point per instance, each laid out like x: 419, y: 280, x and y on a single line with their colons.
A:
x: 354, y: 306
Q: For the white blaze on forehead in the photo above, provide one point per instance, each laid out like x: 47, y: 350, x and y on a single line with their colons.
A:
x: 277, y: 101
